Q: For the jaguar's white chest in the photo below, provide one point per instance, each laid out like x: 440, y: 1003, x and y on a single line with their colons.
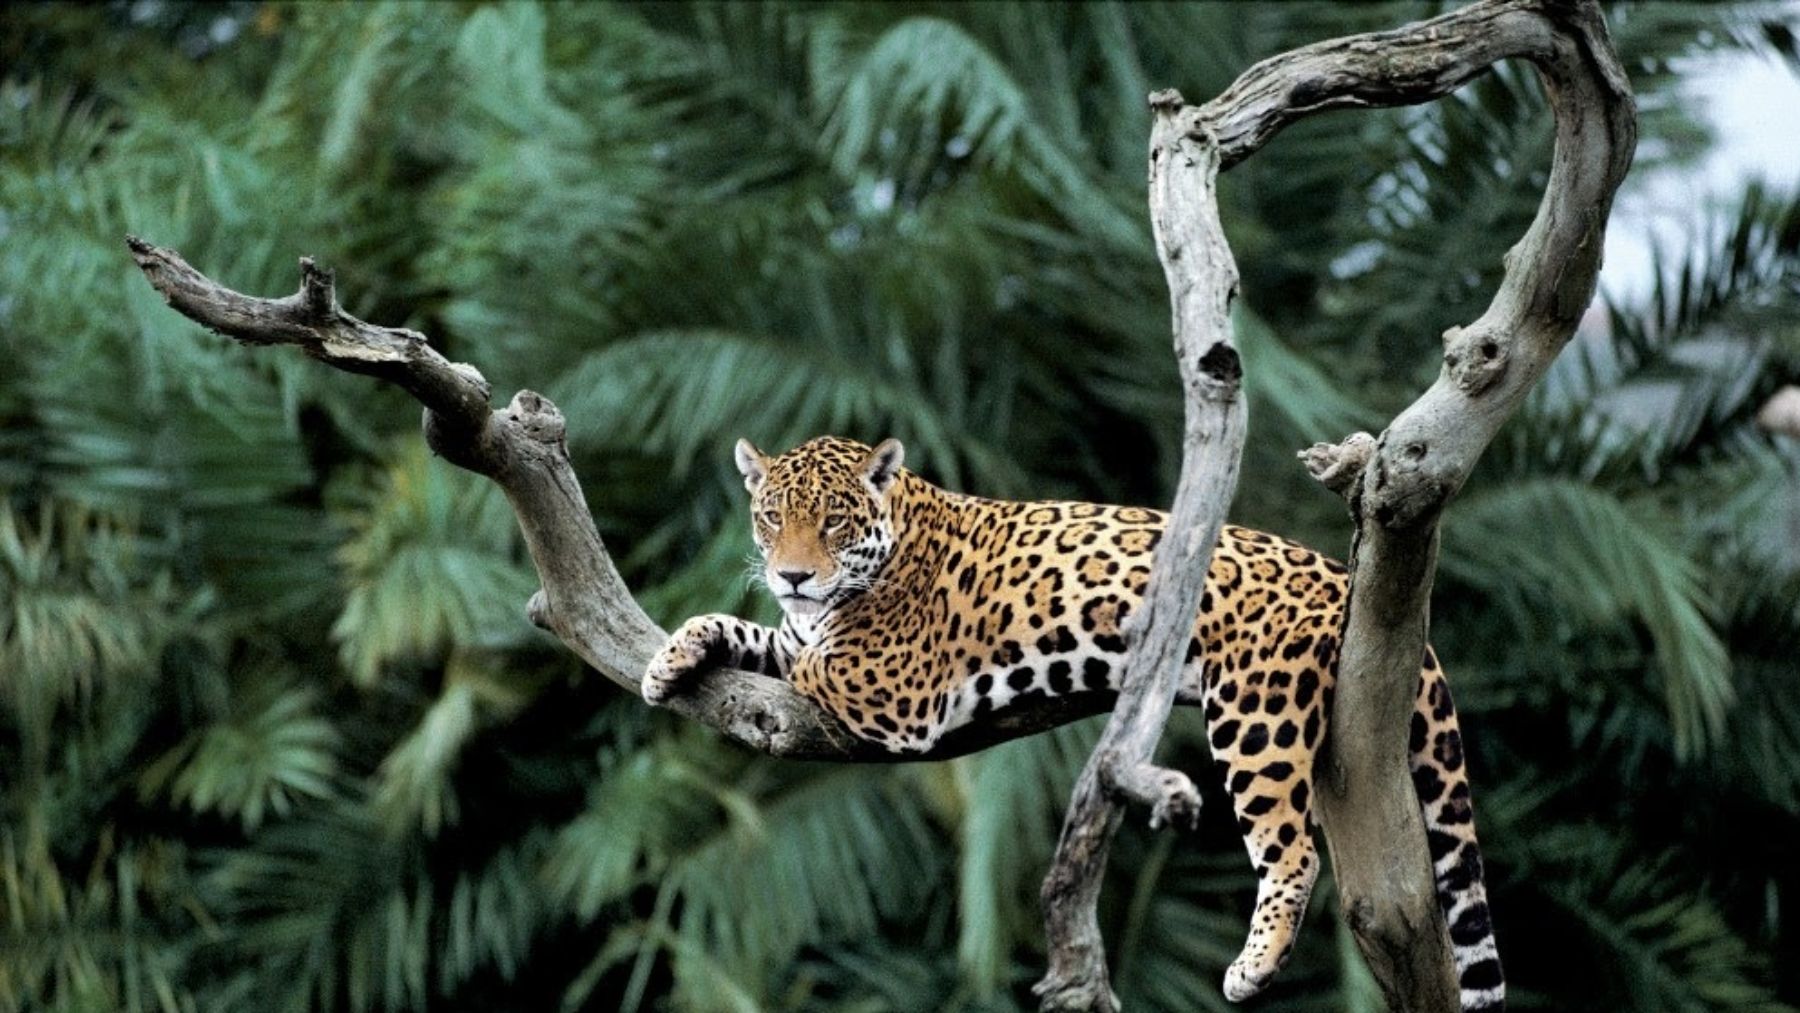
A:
x: 808, y: 629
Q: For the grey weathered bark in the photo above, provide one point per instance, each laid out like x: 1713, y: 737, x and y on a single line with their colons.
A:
x: 1369, y: 809
x: 584, y: 601
x: 1397, y: 485
x: 1397, y: 488
x: 1202, y: 277
x: 1781, y: 413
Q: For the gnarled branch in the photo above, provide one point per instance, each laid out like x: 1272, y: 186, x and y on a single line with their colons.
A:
x: 521, y: 447
x: 1397, y: 494
x: 1202, y: 277
x: 1397, y: 484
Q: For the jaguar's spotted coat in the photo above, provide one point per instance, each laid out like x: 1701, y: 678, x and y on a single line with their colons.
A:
x: 911, y: 610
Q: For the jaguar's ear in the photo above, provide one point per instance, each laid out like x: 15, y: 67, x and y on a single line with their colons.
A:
x: 882, y: 465
x: 752, y: 463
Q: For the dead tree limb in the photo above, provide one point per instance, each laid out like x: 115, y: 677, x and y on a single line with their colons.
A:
x: 521, y: 447
x: 1368, y: 808
x: 1397, y: 485
x: 1202, y: 277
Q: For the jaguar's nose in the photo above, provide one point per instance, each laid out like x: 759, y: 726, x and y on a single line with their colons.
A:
x: 795, y: 578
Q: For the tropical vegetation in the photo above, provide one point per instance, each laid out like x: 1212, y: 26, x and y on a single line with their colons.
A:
x: 274, y: 733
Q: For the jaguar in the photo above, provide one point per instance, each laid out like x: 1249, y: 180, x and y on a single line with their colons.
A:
x: 910, y: 610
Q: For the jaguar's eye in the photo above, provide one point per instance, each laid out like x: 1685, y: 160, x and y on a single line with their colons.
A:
x: 834, y: 521
x: 772, y: 518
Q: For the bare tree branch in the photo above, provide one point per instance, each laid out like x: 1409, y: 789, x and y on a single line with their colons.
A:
x: 1397, y: 484
x: 1202, y: 277
x: 1367, y: 805
x: 584, y: 601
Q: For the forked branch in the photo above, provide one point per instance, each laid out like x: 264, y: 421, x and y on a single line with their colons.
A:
x: 1397, y: 484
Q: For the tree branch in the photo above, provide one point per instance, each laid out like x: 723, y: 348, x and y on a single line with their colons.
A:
x: 584, y: 601
x: 1202, y: 277
x: 1397, y: 484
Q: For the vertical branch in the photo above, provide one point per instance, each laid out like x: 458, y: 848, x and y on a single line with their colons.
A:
x: 1367, y: 804
x: 1397, y: 485
x: 1202, y: 277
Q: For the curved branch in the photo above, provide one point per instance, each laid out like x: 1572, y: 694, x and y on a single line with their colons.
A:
x: 521, y: 447
x: 1202, y: 278
x: 1397, y: 484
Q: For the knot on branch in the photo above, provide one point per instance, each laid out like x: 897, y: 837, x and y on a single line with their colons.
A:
x: 755, y: 719
x: 1475, y: 358
x: 1221, y: 364
x: 537, y: 611
x: 537, y: 416
x: 1167, y: 100
x: 318, y: 292
x: 1338, y: 466
x: 1406, y: 485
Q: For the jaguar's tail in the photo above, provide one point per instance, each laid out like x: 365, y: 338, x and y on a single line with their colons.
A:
x: 1442, y: 781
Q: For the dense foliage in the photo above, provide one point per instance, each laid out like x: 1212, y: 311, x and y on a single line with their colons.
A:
x: 273, y: 732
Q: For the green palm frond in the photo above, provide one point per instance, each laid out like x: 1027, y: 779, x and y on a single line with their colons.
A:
x: 679, y: 395
x: 926, y: 95
x: 429, y: 566
x: 412, y: 788
x: 1693, y: 358
x: 1009, y: 803
x: 274, y: 751
x: 1761, y: 617
x: 78, y: 613
x: 1309, y: 402
x: 1569, y: 560
x: 103, y: 937
x: 724, y: 575
x: 635, y: 819
x: 891, y: 979
x: 1665, y: 947
x: 494, y: 914
x: 832, y: 855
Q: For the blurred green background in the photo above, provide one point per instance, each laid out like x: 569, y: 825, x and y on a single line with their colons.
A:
x: 275, y: 735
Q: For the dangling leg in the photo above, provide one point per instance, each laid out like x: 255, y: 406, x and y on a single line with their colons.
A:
x: 1264, y: 740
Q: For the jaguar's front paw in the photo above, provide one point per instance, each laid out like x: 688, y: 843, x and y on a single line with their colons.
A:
x: 677, y: 662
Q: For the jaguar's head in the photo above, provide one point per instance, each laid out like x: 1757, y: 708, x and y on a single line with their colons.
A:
x: 822, y: 517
